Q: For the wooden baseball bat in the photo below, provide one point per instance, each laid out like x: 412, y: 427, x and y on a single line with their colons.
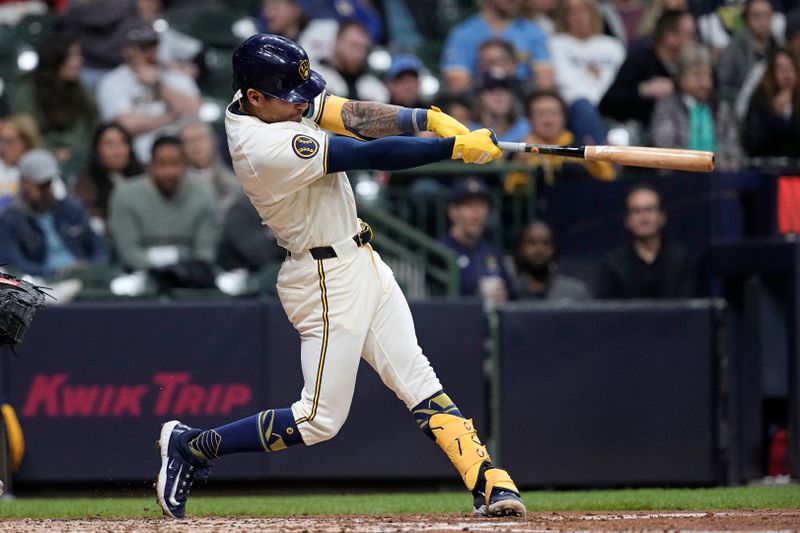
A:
x: 637, y: 156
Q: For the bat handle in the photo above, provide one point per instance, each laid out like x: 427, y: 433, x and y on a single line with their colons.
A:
x: 515, y: 147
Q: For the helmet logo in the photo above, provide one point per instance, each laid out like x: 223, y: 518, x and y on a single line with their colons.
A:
x: 304, y: 69
x: 304, y: 146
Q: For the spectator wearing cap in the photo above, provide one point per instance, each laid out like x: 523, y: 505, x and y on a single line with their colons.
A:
x: 496, y: 19
x: 144, y: 97
x: 496, y: 108
x: 480, y: 263
x: 345, y: 71
x: 547, y: 118
x: 403, y: 82
x: 42, y: 236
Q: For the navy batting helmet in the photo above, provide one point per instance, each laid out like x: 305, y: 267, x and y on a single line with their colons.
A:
x: 277, y: 67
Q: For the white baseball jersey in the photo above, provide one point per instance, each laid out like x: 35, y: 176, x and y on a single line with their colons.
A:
x: 346, y: 307
x: 282, y: 169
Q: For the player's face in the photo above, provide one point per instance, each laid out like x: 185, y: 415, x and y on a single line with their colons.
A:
x: 470, y: 216
x: 645, y: 217
x: 697, y: 82
x: 167, y: 168
x: 536, y: 248
x: 272, y: 110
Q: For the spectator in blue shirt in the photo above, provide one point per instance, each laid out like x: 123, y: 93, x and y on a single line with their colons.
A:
x: 497, y: 106
x: 480, y: 262
x: 42, y: 236
x: 497, y: 18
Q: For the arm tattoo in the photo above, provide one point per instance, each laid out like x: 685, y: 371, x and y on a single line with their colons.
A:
x: 370, y: 120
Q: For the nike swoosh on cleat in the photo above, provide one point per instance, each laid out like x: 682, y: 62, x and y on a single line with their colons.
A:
x: 172, y: 499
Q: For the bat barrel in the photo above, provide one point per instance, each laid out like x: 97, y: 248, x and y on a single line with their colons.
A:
x: 638, y: 156
x: 641, y: 156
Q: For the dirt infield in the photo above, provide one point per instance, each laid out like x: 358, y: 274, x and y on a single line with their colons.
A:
x: 740, y: 520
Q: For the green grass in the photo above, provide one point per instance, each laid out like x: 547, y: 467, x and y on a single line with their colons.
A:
x: 441, y: 502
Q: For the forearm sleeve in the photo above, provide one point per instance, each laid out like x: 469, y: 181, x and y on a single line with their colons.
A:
x: 389, y: 153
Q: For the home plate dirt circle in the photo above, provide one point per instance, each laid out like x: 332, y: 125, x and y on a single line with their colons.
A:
x: 711, y: 521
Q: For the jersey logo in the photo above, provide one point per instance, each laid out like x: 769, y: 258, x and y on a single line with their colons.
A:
x: 304, y: 69
x: 304, y: 146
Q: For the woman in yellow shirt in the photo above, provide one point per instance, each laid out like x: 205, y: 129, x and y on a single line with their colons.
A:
x: 547, y: 115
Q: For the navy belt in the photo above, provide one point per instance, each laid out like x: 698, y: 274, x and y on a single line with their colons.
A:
x: 327, y: 252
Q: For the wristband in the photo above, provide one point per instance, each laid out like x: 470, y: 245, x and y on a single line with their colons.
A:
x: 412, y: 120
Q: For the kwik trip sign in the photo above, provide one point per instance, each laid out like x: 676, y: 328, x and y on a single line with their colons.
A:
x: 166, y: 394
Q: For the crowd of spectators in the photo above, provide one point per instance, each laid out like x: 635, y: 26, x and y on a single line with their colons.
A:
x: 104, y: 159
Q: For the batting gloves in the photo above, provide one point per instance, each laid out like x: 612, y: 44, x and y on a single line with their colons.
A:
x: 479, y: 146
x: 443, y: 124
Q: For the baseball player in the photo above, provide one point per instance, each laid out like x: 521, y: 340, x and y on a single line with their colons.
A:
x: 340, y: 296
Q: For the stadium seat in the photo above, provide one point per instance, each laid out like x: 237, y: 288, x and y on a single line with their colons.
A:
x: 218, y: 28
x: 216, y: 81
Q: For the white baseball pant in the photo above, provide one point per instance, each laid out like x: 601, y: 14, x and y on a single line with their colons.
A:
x: 345, y: 308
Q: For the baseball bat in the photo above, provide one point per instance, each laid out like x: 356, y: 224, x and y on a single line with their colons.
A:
x: 637, y: 156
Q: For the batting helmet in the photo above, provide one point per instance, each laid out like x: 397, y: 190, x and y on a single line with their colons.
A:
x: 277, y: 67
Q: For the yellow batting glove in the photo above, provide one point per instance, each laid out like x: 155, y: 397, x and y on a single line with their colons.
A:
x: 479, y: 146
x: 443, y: 124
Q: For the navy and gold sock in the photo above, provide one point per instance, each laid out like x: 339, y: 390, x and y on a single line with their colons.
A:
x: 267, y: 431
x: 438, y: 403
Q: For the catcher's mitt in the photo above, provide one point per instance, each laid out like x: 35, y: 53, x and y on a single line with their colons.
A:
x: 19, y: 301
